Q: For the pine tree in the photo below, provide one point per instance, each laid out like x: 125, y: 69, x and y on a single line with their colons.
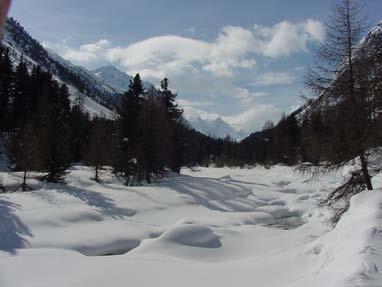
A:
x: 127, y: 140
x: 53, y: 130
x: 80, y: 130
x: 21, y: 96
x: 99, y: 148
x: 173, y: 115
x: 6, y: 88
x: 154, y: 142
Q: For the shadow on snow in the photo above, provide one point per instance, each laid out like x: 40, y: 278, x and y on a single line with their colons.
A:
x: 104, y: 204
x: 12, y: 230
x: 211, y: 193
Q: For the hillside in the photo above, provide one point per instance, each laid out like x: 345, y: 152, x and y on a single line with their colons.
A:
x: 115, y: 78
x: 79, y: 80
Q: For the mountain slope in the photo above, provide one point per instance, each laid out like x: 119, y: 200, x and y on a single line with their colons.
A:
x: 116, y: 79
x: 99, y: 98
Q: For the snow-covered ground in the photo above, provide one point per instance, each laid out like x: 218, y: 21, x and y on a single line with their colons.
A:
x: 206, y: 227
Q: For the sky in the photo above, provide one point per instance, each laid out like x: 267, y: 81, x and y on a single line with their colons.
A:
x: 241, y: 60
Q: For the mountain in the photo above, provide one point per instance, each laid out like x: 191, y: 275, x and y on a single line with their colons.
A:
x: 217, y: 128
x: 99, y: 98
x: 115, y: 78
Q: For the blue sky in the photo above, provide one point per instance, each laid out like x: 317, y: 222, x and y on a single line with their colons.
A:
x: 241, y: 60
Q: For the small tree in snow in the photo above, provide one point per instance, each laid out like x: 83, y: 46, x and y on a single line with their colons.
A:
x: 21, y: 152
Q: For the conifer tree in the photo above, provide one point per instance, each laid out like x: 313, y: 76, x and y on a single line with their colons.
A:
x: 21, y: 96
x: 53, y: 129
x: 175, y: 133
x: 99, y: 148
x: 127, y: 148
x: 80, y: 132
x: 6, y: 88
x: 337, y: 77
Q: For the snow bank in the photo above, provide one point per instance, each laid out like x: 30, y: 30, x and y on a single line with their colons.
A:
x: 193, y: 235
x: 351, y: 254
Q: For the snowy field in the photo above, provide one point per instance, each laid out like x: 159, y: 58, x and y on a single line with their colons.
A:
x: 206, y: 227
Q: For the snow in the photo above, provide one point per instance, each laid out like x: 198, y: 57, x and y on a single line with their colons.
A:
x: 206, y: 227
x: 191, y: 235
x: 93, y: 108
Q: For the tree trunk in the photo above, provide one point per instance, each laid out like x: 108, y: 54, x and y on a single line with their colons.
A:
x: 365, y: 171
x: 96, y: 173
x: 148, y: 178
x: 24, y: 186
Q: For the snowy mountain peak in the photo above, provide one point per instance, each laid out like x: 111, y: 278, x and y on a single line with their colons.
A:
x: 217, y: 128
x: 219, y: 120
x: 115, y: 78
x: 109, y: 71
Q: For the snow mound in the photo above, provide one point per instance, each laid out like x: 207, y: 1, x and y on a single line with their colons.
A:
x: 350, y: 254
x: 277, y: 211
x: 194, y: 235
x: 281, y: 183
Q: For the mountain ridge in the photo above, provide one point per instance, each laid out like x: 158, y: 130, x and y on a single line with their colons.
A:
x: 217, y: 128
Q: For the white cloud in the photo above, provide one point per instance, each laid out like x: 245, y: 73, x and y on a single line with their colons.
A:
x: 234, y: 48
x: 253, y: 118
x: 85, y: 54
x: 159, y: 56
x: 184, y: 103
x: 191, y: 112
x: 176, y: 55
x: 260, y: 94
x: 272, y: 79
x: 315, y: 29
x: 230, y: 50
x: 286, y: 38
